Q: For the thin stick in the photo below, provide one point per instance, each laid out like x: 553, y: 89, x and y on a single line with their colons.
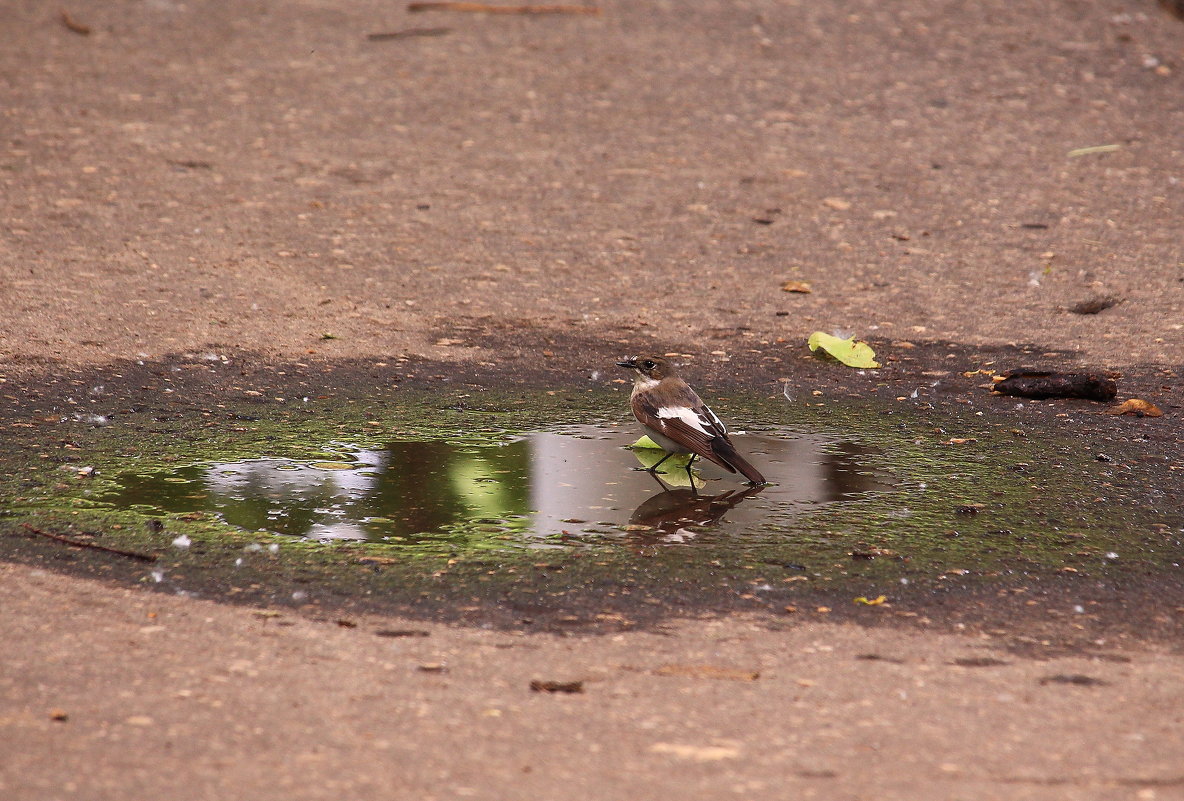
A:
x: 145, y: 557
x: 73, y: 25
x: 408, y: 34
x: 487, y: 8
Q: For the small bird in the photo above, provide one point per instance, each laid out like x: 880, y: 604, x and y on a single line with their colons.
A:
x: 675, y: 417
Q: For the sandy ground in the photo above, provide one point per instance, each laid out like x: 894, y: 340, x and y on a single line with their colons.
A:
x: 260, y: 175
x: 255, y: 176
x: 166, y: 697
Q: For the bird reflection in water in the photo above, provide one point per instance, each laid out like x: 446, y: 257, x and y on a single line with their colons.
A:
x: 526, y: 489
x: 670, y: 512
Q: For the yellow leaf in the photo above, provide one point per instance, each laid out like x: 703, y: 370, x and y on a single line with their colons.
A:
x: 873, y: 602
x: 848, y: 351
x: 708, y: 672
x: 1137, y: 407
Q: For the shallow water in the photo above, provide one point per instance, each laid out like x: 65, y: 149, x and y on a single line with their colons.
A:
x: 542, y: 488
x: 450, y: 503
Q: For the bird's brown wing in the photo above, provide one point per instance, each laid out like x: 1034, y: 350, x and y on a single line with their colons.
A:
x: 696, y: 441
x: 708, y: 439
x: 727, y: 453
x: 721, y: 444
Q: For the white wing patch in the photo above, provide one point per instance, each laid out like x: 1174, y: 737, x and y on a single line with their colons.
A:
x: 714, y: 421
x: 684, y: 413
x: 703, y: 421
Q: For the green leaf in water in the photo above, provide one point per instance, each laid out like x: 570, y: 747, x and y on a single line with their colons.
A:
x: 673, y: 471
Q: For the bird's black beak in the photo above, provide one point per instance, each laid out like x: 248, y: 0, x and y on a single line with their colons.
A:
x: 629, y: 363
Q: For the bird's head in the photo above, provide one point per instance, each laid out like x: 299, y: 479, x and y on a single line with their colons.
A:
x: 650, y: 368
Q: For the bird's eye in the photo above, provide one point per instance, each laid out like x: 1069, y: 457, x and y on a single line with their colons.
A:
x: 649, y: 365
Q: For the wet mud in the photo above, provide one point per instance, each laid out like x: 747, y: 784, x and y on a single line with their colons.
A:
x: 507, y: 498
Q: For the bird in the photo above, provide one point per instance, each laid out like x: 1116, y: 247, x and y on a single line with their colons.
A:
x: 675, y: 417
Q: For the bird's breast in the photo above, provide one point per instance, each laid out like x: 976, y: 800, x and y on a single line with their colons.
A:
x: 668, y: 445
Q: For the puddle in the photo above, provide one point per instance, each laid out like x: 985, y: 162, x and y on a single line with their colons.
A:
x: 511, y: 506
x: 542, y: 489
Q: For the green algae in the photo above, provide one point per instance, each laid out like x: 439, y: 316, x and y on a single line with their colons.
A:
x: 973, y: 499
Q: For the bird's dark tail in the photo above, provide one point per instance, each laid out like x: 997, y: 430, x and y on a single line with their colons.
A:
x: 734, y: 461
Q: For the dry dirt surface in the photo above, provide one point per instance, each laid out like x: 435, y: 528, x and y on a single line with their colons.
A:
x: 114, y: 694
x: 257, y: 175
x: 266, y: 177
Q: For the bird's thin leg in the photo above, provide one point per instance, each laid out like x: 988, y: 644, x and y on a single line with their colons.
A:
x: 654, y: 469
x: 690, y: 475
x: 660, y: 482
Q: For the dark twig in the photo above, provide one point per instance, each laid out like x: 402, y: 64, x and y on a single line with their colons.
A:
x: 540, y: 686
x: 144, y: 557
x: 409, y: 33
x: 73, y: 25
x: 488, y: 8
